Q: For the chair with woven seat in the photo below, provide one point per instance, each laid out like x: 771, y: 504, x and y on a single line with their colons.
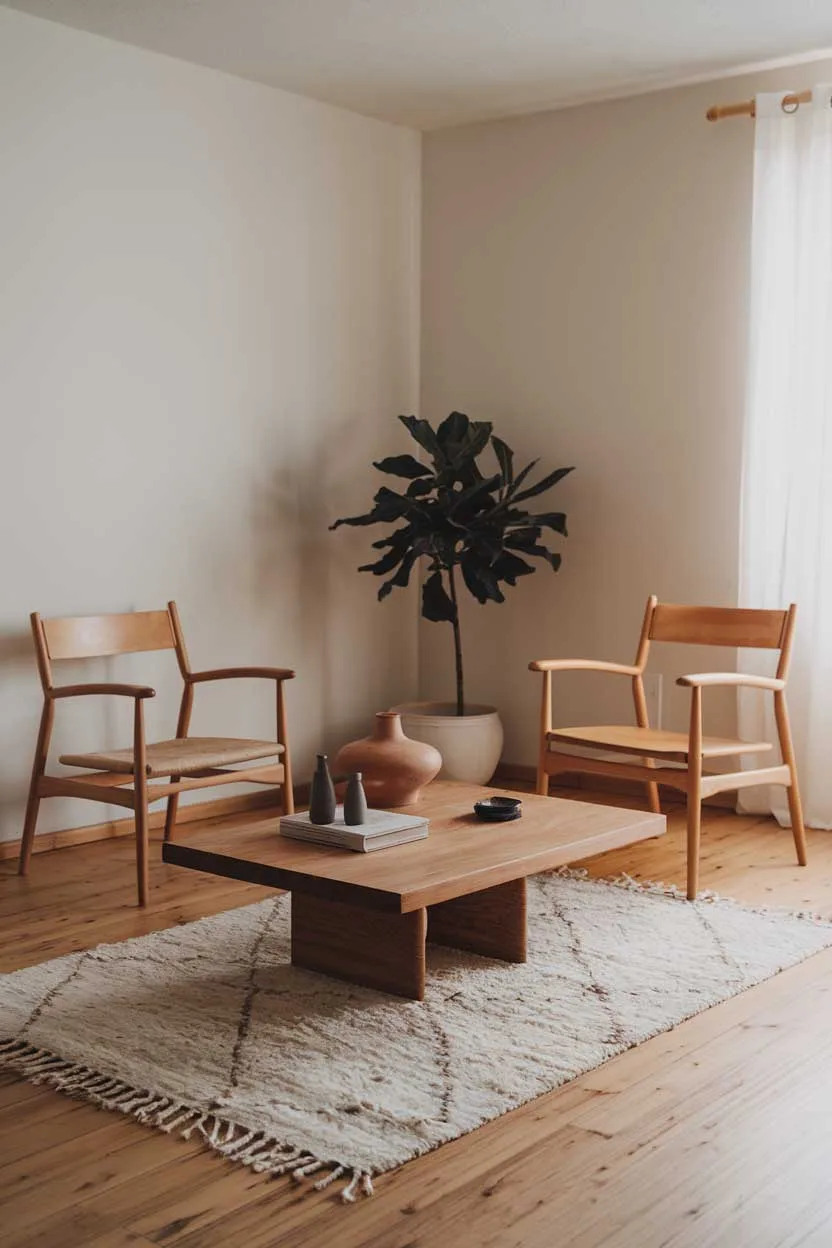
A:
x: 677, y: 758
x: 189, y: 762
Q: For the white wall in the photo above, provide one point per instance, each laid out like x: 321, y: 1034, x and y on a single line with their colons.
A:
x: 208, y: 321
x: 584, y: 285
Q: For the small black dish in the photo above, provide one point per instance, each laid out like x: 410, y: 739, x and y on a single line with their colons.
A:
x: 498, y: 809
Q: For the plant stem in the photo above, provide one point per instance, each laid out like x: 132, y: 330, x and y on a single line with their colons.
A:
x: 460, y: 700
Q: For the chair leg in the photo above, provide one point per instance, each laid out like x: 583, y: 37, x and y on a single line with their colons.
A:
x: 140, y: 812
x: 33, y: 801
x: 694, y: 830
x: 29, y: 825
x: 142, y: 849
x: 694, y: 791
x: 545, y: 728
x: 170, y: 812
x: 182, y: 727
x: 643, y: 721
x: 796, y: 813
x: 784, y: 732
x: 287, y: 791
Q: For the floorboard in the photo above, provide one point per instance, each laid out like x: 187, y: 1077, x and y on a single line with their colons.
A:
x: 713, y: 1134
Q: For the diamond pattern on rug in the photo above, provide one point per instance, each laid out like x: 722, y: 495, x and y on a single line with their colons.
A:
x: 209, y: 1027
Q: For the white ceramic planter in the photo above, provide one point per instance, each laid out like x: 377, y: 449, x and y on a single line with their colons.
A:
x: 470, y: 744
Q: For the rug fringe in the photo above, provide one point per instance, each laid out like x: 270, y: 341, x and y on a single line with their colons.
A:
x: 659, y: 888
x: 241, y: 1145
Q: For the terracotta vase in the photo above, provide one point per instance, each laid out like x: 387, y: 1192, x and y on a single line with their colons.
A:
x: 393, y: 767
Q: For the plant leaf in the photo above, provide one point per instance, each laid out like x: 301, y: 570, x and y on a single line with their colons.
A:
x: 462, y: 499
x: 542, y: 552
x: 509, y: 567
x: 520, y: 478
x: 403, y: 466
x: 370, y: 518
x: 422, y: 433
x: 453, y: 429
x: 505, y: 458
x: 437, y: 604
x: 551, y: 520
x: 546, y: 520
x: 545, y: 483
x: 386, y: 563
x: 393, y: 506
x: 480, y: 580
x: 402, y: 576
x: 423, y: 486
x: 477, y: 439
x: 521, y: 539
x: 473, y: 583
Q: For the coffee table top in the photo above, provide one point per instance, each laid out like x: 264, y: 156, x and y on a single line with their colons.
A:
x: 461, y: 854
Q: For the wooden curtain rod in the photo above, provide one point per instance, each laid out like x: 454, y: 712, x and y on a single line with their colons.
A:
x: 746, y: 108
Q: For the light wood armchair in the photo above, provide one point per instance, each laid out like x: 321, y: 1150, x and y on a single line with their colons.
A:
x: 677, y: 758
x: 189, y: 762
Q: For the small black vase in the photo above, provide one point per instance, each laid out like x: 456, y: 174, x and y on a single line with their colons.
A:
x: 322, y: 795
x: 355, y: 801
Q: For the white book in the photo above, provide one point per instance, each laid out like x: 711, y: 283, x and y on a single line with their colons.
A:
x: 381, y: 830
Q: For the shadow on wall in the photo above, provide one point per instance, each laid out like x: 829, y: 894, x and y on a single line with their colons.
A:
x: 16, y: 649
x: 307, y: 575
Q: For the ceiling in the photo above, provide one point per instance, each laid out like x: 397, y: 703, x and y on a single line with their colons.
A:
x: 432, y: 63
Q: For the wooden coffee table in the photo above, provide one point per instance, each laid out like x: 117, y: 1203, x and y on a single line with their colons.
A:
x: 366, y: 917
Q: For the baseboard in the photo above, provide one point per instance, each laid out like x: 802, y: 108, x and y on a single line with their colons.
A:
x: 196, y: 812
x: 526, y: 774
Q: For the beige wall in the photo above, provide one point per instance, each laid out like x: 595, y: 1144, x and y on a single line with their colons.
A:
x: 584, y: 285
x: 208, y: 319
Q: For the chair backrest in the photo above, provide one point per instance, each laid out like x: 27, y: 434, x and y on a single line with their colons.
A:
x: 738, y: 627
x: 718, y: 626
x: 101, y: 636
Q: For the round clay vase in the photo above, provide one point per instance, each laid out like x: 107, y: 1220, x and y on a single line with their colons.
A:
x: 394, y: 769
x: 470, y: 744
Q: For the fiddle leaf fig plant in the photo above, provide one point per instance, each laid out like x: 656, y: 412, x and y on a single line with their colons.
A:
x: 464, y: 521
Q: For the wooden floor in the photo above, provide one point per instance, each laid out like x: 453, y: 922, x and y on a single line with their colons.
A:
x: 715, y: 1134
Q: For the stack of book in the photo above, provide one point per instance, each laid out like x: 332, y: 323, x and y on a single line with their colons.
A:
x: 381, y: 830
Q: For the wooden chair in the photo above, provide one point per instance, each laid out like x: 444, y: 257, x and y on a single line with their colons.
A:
x: 190, y: 762
x: 685, y: 752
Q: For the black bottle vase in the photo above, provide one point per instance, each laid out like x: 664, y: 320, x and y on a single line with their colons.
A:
x: 322, y: 796
x: 355, y: 801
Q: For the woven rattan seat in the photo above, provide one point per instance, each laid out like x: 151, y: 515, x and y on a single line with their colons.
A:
x: 179, y: 757
x: 652, y: 742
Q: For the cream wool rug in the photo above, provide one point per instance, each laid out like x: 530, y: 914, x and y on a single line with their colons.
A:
x: 208, y: 1028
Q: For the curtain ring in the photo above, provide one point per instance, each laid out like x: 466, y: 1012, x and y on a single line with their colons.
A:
x: 791, y: 107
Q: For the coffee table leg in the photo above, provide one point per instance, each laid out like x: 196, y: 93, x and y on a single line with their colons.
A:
x: 368, y: 947
x: 491, y: 922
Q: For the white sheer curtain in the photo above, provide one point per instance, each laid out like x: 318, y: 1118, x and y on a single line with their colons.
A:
x: 786, y: 543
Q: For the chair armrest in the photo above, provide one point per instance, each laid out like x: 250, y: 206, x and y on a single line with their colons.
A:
x: 708, y: 680
x: 233, y: 673
x: 124, y: 691
x: 583, y: 665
